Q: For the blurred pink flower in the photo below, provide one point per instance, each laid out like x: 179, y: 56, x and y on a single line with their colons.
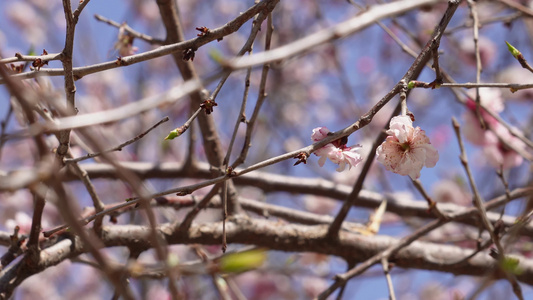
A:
x: 449, y: 191
x: 515, y: 74
x: 496, y: 140
x: 319, y: 204
x: 28, y: 21
x: 336, y: 151
x: 313, y: 286
x: 472, y: 129
x: 407, y: 149
x: 487, y: 50
x: 22, y: 220
x: 497, y: 152
x: 441, y: 136
x: 492, y: 100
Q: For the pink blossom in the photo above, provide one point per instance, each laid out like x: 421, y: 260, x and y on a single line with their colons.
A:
x: 496, y: 140
x: 319, y: 133
x: 497, y: 152
x: 515, y: 74
x: 337, y: 151
x: 472, y: 129
x: 492, y: 100
x: 406, y: 150
x: 487, y: 50
x: 22, y: 220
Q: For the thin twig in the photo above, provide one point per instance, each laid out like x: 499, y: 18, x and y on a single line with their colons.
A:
x: 194, y: 43
x: 97, y: 202
x: 20, y: 57
x: 477, y: 198
x: 260, y: 99
x: 117, y: 148
x: 27, y: 101
x: 385, y: 264
x: 349, y: 265
x: 341, y: 279
x: 357, y: 23
x: 473, y: 13
x: 432, y: 205
x: 132, y: 109
x: 483, y: 213
x: 482, y: 246
x: 224, y: 215
x: 506, y: 187
x: 241, y: 118
x: 403, y: 99
x: 470, y: 85
x: 3, y: 126
x: 506, y: 19
x: 150, y: 40
x: 187, y: 221
x: 436, y: 66
x: 247, y: 47
x: 398, y: 41
x: 35, y: 231
x: 521, y: 8
x: 14, y: 249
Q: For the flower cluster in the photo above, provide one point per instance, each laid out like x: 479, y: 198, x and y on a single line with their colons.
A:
x: 496, y: 141
x: 406, y: 149
x: 336, y: 151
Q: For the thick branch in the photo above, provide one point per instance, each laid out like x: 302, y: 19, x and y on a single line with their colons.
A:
x: 312, y: 186
x: 277, y: 236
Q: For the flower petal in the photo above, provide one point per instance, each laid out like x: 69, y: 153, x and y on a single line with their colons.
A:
x: 319, y: 133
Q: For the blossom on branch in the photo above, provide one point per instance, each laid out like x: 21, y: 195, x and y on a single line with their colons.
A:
x: 407, y: 149
x: 336, y: 151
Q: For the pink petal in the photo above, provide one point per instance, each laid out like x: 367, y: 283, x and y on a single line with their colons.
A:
x: 319, y: 134
x: 321, y: 161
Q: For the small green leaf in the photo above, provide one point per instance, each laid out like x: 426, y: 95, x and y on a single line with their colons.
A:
x: 411, y: 85
x: 511, y: 264
x: 216, y: 56
x: 513, y: 50
x: 31, y: 51
x: 174, y: 134
x: 172, y: 260
x: 242, y: 261
x: 291, y: 260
